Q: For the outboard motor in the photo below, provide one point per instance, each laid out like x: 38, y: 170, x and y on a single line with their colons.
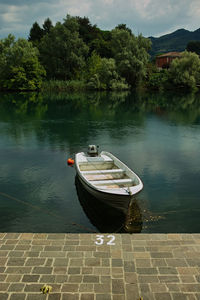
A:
x: 93, y: 150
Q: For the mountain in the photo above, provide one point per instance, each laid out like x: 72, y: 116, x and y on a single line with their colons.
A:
x: 175, y: 41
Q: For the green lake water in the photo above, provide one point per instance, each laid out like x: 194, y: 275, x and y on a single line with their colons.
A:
x: 157, y: 135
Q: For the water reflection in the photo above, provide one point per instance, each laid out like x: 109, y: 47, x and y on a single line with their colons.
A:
x: 96, y: 105
x: 106, y: 218
x: 50, y: 118
x: 157, y: 135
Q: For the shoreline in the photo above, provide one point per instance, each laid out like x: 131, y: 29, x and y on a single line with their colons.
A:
x: 80, y: 86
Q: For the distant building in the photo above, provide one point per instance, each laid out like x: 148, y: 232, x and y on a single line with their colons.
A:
x: 163, y: 61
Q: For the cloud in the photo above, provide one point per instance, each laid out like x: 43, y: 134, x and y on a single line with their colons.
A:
x: 18, y: 17
x: 12, y: 15
x: 149, y: 17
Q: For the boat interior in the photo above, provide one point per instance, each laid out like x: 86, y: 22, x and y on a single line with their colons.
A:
x: 106, y: 175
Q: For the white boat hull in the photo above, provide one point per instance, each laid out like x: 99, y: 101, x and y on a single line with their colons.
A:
x: 108, y: 179
x: 119, y: 202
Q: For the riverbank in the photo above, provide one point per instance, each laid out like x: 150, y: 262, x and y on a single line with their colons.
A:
x: 122, y: 267
x: 62, y: 86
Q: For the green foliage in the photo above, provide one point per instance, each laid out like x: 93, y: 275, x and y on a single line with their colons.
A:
x: 62, y: 86
x: 123, y: 27
x: 96, y: 39
x: 62, y: 52
x: 120, y: 58
x: 36, y: 33
x: 19, y: 65
x: 158, y: 80
x: 185, y: 72
x: 119, y: 84
x: 77, y: 55
x: 93, y: 65
x: 109, y: 77
x: 47, y: 26
x: 193, y: 46
x: 102, y: 74
x: 131, y: 55
x: 101, y: 46
x: 87, y: 31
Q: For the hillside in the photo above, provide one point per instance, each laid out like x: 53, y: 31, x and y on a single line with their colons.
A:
x: 175, y: 41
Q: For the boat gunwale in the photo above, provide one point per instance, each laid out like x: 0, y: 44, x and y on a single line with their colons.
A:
x: 121, y: 191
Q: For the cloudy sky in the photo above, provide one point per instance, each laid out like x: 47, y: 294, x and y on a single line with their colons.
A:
x: 149, y: 17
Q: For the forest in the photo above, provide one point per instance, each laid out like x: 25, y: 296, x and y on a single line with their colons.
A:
x: 76, y: 55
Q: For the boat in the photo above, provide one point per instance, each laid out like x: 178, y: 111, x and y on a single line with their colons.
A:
x: 102, y: 216
x: 107, y: 178
x: 107, y: 218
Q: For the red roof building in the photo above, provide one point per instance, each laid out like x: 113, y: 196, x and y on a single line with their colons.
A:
x: 163, y: 61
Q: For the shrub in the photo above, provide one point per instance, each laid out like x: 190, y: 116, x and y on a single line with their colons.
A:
x: 185, y: 72
x: 19, y: 65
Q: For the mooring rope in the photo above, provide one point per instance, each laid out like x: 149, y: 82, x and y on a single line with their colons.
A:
x: 46, y: 211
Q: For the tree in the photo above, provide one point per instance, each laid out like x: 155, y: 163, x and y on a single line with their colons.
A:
x: 36, y: 33
x: 185, y: 71
x: 101, y: 46
x: 47, y: 26
x: 97, y: 40
x: 123, y: 27
x: 102, y: 74
x: 93, y: 65
x: 62, y: 51
x: 193, y: 46
x: 19, y: 65
x: 131, y: 55
x: 87, y: 31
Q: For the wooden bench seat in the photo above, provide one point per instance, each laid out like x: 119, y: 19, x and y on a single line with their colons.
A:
x: 114, y: 181
x: 102, y: 171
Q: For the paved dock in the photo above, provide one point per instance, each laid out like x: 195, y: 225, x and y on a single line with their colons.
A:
x: 100, y: 267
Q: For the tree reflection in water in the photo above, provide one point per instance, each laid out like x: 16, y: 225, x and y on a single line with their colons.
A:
x: 156, y: 134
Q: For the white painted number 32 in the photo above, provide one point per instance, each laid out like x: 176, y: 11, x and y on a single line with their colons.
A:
x: 100, y: 239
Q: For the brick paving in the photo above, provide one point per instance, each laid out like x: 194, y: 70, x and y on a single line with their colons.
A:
x: 126, y: 267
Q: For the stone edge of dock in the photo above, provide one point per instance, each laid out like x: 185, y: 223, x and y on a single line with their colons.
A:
x: 99, y: 266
